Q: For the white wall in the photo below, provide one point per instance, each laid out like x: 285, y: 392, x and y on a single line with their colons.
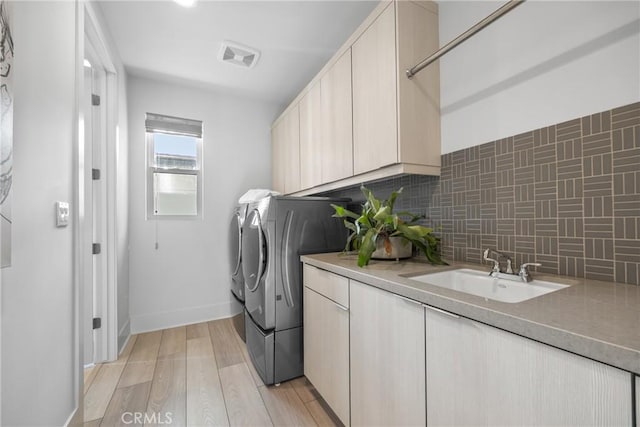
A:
x: 37, y: 290
x: 543, y: 63
x: 186, y: 279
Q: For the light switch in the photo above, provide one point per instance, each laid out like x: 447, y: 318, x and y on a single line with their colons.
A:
x: 62, y: 214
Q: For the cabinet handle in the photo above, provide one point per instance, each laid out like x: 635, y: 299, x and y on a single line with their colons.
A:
x: 343, y: 308
x: 409, y: 300
x: 441, y: 311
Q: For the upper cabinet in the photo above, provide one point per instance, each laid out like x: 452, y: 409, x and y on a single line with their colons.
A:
x: 311, y: 138
x: 374, y: 95
x: 361, y: 118
x: 277, y: 157
x: 418, y: 98
x: 285, y: 153
x: 335, y: 91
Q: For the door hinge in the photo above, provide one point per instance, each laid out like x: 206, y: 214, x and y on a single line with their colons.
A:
x: 97, y: 323
x: 96, y: 248
x: 95, y: 174
x: 95, y: 100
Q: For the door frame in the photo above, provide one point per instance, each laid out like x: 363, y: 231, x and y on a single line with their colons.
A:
x: 106, y: 298
x: 88, y: 28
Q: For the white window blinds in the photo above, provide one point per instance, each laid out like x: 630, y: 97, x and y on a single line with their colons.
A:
x: 173, y: 125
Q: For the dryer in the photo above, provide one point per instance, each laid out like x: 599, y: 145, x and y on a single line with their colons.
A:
x: 235, y: 264
x: 276, y: 231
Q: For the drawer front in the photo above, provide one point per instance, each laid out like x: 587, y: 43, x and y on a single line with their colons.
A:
x: 331, y: 285
x: 326, y: 350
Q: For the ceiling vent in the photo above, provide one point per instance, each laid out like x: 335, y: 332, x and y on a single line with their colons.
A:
x: 237, y: 54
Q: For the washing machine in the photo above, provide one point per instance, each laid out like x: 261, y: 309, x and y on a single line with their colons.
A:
x: 235, y: 258
x: 276, y: 231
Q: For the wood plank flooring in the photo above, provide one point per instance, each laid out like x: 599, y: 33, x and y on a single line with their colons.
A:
x: 196, y: 375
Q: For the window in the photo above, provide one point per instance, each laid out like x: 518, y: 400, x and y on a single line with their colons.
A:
x: 174, y: 164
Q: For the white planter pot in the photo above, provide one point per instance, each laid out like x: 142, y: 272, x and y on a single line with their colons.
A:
x: 400, y: 248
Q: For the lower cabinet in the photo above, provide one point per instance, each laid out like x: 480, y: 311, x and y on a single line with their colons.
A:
x: 326, y: 338
x: 637, y: 401
x: 381, y: 359
x: 480, y: 375
x: 387, y: 358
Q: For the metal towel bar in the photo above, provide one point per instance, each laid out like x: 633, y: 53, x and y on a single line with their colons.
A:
x: 510, y: 5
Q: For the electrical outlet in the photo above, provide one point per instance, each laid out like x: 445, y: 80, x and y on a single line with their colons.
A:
x: 62, y: 214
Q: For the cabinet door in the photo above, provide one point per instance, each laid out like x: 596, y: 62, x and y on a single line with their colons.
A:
x: 337, y: 121
x: 480, y: 375
x: 311, y: 138
x: 387, y: 358
x: 277, y: 157
x: 291, y: 149
x: 637, y: 400
x: 374, y: 95
x: 418, y: 97
x: 326, y: 350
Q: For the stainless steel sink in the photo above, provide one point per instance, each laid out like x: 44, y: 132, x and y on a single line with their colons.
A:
x: 481, y: 284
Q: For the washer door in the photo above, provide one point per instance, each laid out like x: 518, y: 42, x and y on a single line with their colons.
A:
x: 235, y: 256
x: 254, y: 261
x: 235, y: 244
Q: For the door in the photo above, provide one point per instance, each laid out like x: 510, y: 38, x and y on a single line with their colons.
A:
x: 326, y: 350
x: 95, y: 288
x: 311, y: 140
x: 483, y: 376
x: 374, y: 95
x: 291, y: 149
x: 387, y: 358
x: 254, y: 262
x: 637, y: 400
x: 337, y: 121
x: 235, y: 253
x: 278, y: 160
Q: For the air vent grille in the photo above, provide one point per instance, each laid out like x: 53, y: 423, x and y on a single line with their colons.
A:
x: 237, y: 54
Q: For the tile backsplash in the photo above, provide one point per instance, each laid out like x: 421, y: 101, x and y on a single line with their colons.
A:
x: 567, y: 196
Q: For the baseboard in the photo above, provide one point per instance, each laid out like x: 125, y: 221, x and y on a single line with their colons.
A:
x: 70, y: 421
x: 123, y: 336
x: 170, y: 319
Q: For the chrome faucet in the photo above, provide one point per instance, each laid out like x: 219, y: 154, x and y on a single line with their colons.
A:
x: 495, y: 270
x: 523, y: 274
x: 496, y: 264
x: 524, y: 271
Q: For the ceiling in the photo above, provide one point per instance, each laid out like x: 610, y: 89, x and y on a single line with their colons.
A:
x: 163, y: 40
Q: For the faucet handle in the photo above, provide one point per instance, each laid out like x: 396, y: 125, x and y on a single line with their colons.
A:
x: 526, y: 265
x: 524, y: 270
x: 496, y: 264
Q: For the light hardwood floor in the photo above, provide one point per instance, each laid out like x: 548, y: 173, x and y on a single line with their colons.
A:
x: 196, y: 375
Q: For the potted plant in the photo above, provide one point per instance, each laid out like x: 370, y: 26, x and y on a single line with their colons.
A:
x: 378, y: 232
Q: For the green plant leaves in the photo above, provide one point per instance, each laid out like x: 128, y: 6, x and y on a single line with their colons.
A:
x: 382, y: 214
x: 342, y: 212
x: 393, y: 197
x: 371, y: 200
x: 367, y: 247
x: 377, y: 220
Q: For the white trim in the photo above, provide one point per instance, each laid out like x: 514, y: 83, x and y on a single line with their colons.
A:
x: 108, y: 298
x: 170, y: 319
x: 125, y: 332
x: 98, y: 38
x: 78, y: 217
x: 73, y: 414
